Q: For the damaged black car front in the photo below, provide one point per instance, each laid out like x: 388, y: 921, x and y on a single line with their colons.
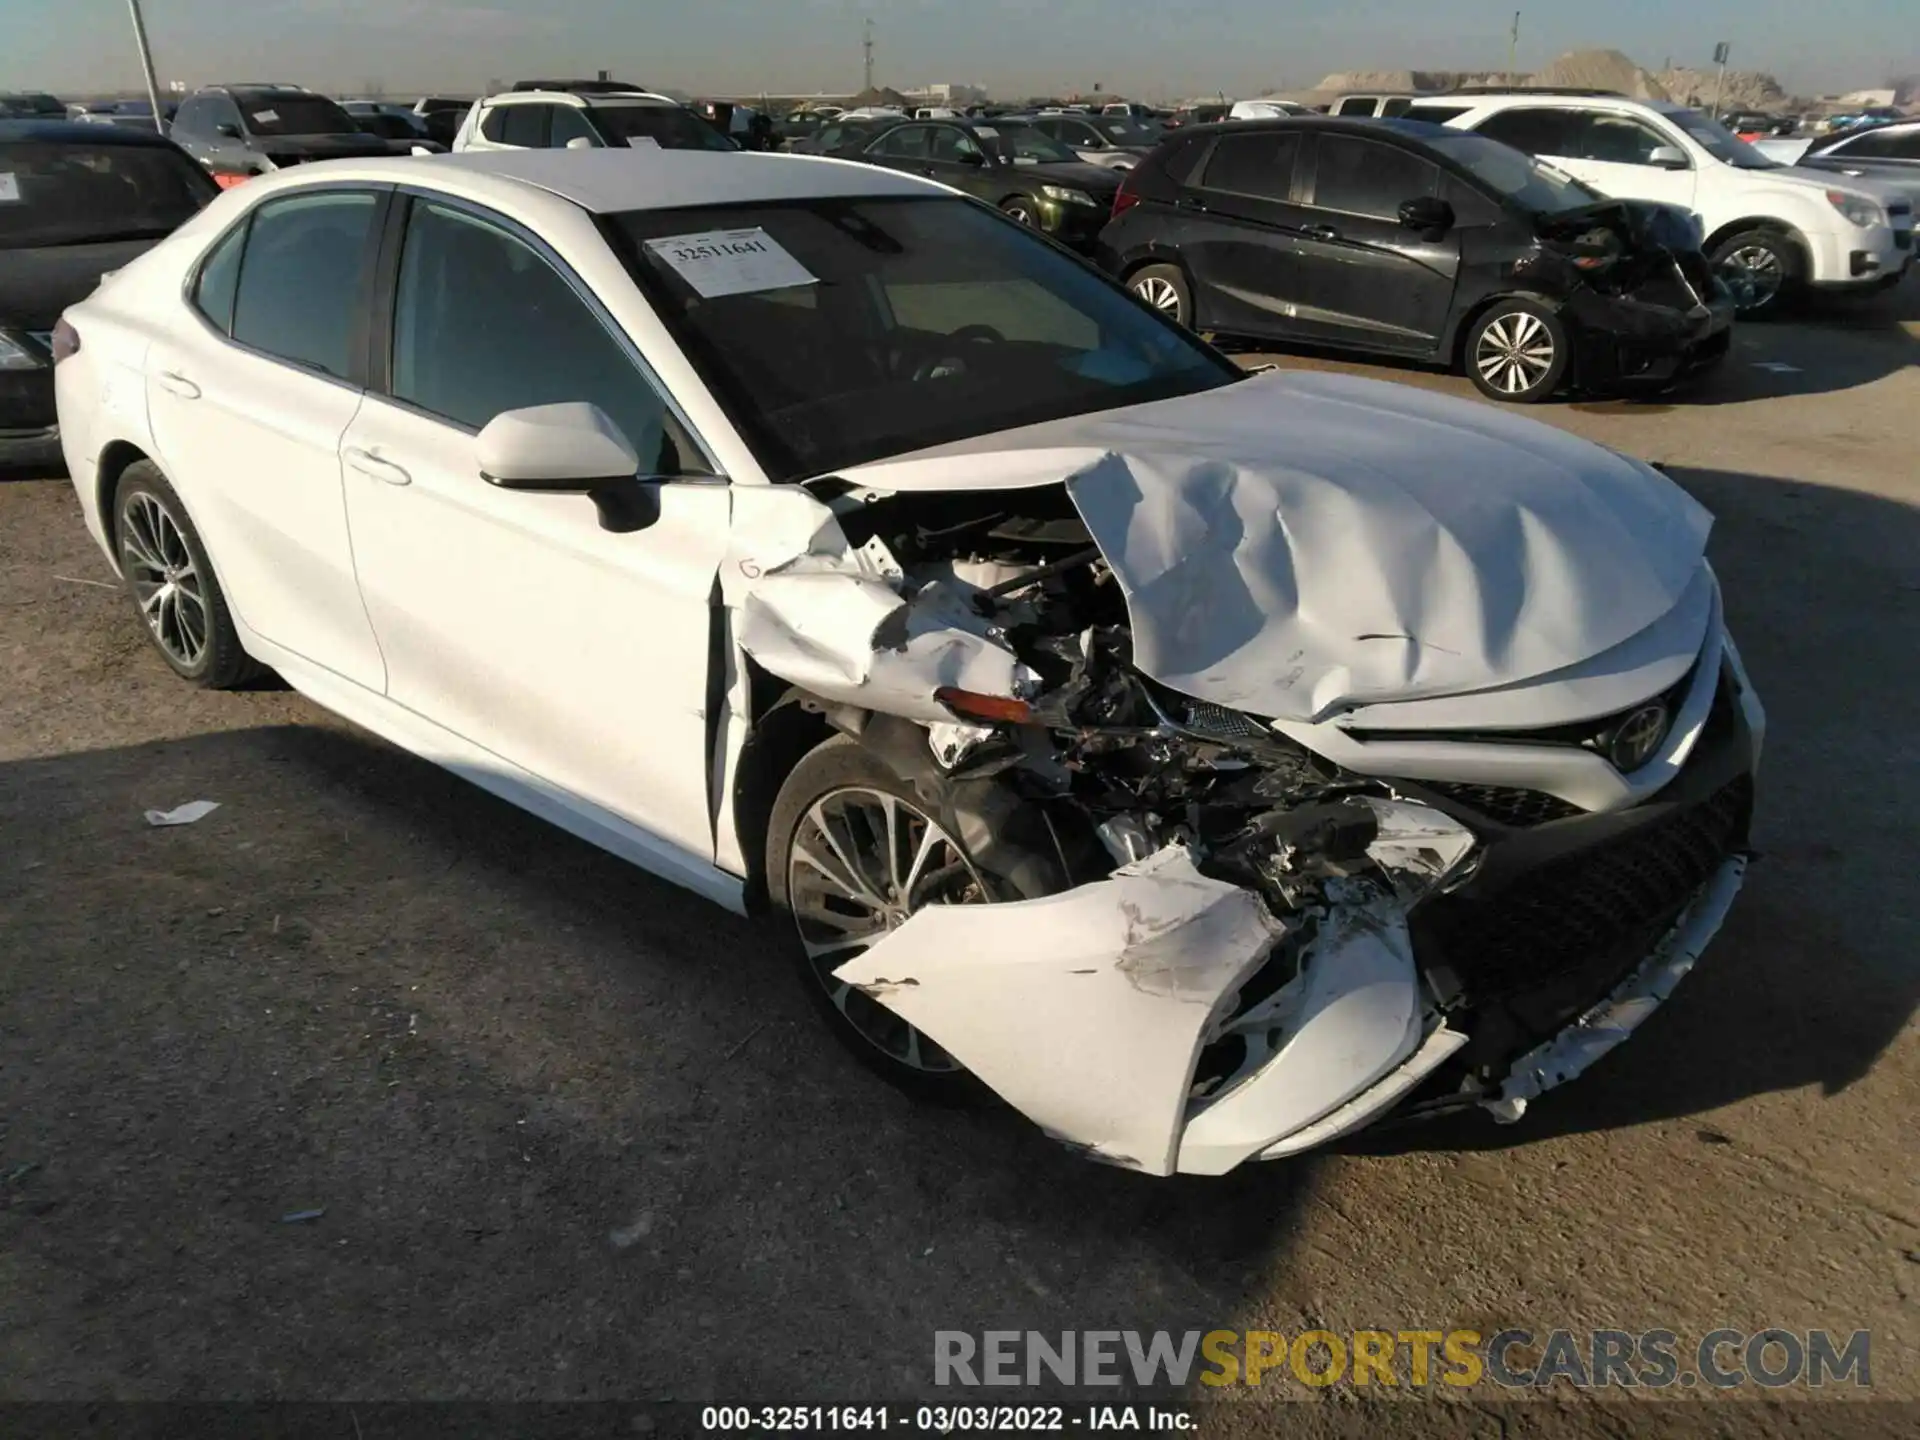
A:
x: 1624, y: 281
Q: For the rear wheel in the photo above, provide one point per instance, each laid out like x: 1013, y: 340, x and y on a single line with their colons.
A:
x: 852, y: 852
x: 1164, y: 287
x: 166, y: 572
x: 1762, y: 268
x: 1517, y: 351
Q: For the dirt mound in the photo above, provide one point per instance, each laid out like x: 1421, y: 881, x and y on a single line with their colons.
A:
x: 1601, y: 70
x: 1745, y: 89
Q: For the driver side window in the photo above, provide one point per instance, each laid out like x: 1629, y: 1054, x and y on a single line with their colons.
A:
x: 1618, y: 140
x: 475, y: 304
x: 951, y: 145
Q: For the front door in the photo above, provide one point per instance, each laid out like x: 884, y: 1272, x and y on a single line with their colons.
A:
x: 247, y: 407
x: 1366, y: 279
x: 513, y: 618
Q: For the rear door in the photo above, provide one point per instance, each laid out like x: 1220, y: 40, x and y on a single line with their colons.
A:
x: 1240, y: 233
x: 905, y: 147
x: 1365, y: 279
x: 248, y: 397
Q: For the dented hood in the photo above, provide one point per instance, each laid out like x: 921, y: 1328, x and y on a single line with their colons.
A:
x: 1297, y: 543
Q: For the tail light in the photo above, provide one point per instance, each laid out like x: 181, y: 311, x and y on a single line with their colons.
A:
x: 1125, y: 198
x: 65, y: 340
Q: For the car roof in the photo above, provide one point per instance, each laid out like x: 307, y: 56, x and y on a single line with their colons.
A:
x: 75, y: 132
x: 610, y: 181
x: 595, y: 100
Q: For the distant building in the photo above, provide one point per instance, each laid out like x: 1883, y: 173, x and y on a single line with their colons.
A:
x: 1870, y: 97
x: 945, y: 93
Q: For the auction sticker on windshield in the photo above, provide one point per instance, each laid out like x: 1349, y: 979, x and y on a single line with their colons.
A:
x: 9, y: 187
x: 731, y: 262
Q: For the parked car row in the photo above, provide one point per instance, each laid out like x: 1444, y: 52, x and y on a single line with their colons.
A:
x: 1208, y: 764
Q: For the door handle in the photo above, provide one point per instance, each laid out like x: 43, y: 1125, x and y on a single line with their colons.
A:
x: 179, y: 384
x: 372, y: 465
x: 1321, y: 232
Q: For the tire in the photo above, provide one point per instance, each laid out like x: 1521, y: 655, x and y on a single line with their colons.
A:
x: 166, y: 572
x: 1517, y: 351
x: 1763, y: 268
x: 1021, y: 213
x: 1164, y: 288
x: 837, y: 782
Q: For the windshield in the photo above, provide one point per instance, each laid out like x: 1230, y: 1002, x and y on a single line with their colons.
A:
x: 1019, y: 144
x: 1528, y: 182
x: 74, y: 194
x: 668, y: 126
x: 836, y: 332
x: 1721, y: 143
x: 295, y: 115
x: 1130, y: 132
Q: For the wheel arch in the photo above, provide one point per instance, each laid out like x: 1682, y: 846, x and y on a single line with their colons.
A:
x: 782, y: 731
x: 115, y: 460
x: 1770, y: 223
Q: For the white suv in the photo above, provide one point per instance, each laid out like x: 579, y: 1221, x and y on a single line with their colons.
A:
x: 563, y: 120
x: 1768, y: 228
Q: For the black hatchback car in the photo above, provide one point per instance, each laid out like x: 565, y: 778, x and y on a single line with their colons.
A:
x: 1408, y: 239
x: 1031, y: 177
x: 76, y: 201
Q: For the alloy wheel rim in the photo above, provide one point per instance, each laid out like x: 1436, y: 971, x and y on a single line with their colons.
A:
x: 860, y: 863
x: 1021, y: 215
x: 1158, y: 292
x: 1515, y: 352
x: 166, y: 582
x: 1753, y: 272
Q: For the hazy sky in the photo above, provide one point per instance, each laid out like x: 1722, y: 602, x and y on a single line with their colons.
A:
x: 1159, y: 48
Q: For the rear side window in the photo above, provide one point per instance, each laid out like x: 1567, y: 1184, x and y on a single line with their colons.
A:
x: 219, y: 278
x: 1396, y: 107
x: 299, y: 287
x: 1888, y: 146
x: 1182, y: 159
x: 1256, y: 165
x: 1364, y: 177
x: 909, y: 142
x: 1357, y: 105
x: 1536, y: 131
x: 522, y: 125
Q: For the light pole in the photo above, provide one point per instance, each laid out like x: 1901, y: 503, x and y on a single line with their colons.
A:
x: 146, y: 65
x: 1513, y: 48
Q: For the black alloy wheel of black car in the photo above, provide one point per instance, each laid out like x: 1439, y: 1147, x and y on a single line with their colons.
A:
x: 1164, y: 288
x: 1517, y: 351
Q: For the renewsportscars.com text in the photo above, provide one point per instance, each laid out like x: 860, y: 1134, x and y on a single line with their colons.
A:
x: 1416, y: 1359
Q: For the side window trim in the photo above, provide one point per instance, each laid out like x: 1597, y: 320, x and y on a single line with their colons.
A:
x: 356, y: 379
x: 386, y: 294
x: 190, y: 286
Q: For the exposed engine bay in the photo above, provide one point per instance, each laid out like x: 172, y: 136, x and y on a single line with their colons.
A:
x: 1231, y: 970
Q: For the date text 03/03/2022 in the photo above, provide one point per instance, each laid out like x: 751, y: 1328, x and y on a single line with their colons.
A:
x: 945, y: 1419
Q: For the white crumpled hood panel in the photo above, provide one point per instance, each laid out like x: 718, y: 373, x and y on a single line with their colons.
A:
x: 1298, y: 542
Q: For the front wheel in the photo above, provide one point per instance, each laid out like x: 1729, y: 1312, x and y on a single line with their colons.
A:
x: 1020, y: 212
x: 1517, y: 351
x: 852, y: 852
x: 1762, y: 269
x: 1165, y: 288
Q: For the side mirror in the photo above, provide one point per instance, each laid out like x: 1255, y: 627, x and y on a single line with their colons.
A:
x: 571, y: 447
x: 1668, y: 157
x: 580, y: 142
x: 1426, y: 213
x: 228, y: 129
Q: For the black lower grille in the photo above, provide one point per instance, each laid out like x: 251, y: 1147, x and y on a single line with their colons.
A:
x: 1580, y: 912
x: 1516, y: 808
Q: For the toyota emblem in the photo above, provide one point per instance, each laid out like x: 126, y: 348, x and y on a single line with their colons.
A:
x: 1638, y: 736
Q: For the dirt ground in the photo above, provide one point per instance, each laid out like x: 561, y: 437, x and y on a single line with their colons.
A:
x: 575, y: 1133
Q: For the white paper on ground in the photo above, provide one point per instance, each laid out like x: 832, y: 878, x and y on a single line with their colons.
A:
x: 185, y: 815
x: 9, y: 186
x: 731, y: 262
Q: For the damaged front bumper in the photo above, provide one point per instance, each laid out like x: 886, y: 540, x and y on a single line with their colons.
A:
x: 1101, y: 1013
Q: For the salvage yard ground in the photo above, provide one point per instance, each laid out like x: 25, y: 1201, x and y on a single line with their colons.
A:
x: 576, y: 1134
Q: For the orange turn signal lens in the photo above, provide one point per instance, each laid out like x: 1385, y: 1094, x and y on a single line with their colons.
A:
x: 987, y: 709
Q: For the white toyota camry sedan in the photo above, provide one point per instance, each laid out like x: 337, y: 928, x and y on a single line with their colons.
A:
x: 1207, y: 764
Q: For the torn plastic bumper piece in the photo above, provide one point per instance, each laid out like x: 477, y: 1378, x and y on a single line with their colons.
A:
x: 1086, y: 1010
x: 1601, y: 1028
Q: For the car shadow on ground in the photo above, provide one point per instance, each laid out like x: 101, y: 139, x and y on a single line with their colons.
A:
x: 576, y: 1131
x: 1813, y: 977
